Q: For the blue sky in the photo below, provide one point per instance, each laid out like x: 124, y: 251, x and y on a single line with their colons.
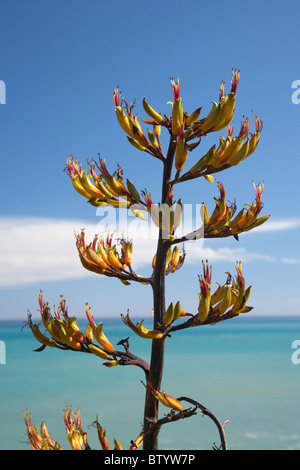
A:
x: 60, y: 61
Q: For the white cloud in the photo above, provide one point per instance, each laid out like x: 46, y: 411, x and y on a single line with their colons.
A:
x: 37, y: 249
x: 278, y: 225
x: 291, y: 260
x: 225, y: 254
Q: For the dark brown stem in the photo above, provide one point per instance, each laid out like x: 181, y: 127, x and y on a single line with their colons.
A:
x: 172, y: 416
x: 151, y: 430
x: 129, y: 359
x: 208, y: 171
x: 204, y: 233
x: 208, y: 413
x: 155, y: 153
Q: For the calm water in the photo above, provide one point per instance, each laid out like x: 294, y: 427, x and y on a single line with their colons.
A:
x: 241, y: 370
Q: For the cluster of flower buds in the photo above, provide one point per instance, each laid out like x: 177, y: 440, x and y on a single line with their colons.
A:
x: 163, y: 398
x: 221, y: 113
x: 230, y: 152
x: 231, y: 297
x: 134, y: 445
x: 233, y: 150
x: 186, y: 127
x: 182, y: 126
x: 102, y: 257
x: 131, y: 126
x: 105, y: 188
x: 76, y: 436
x: 63, y: 329
x: 40, y: 439
x: 223, y: 221
x: 65, y: 334
x: 175, y: 259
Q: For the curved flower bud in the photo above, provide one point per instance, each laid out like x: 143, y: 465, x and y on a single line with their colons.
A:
x: 204, y: 300
x: 177, y: 110
x: 118, y: 446
x: 169, y: 315
x: 151, y: 112
x: 35, y: 440
x: 98, y: 332
x: 39, y: 336
x: 181, y: 149
x: 227, y: 102
x: 138, y: 442
x: 140, y: 330
x: 102, y: 436
x: 165, y: 399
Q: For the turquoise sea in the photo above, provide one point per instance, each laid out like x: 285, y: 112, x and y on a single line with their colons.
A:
x: 242, y: 370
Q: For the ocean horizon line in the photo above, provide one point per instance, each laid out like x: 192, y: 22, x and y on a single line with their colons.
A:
x: 115, y: 319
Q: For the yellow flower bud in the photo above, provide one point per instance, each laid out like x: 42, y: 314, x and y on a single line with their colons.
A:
x: 169, y: 314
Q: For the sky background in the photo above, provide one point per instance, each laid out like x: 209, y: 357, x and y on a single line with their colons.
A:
x: 60, y: 61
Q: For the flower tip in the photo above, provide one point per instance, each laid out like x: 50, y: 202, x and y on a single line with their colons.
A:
x: 235, y: 80
x: 175, y: 87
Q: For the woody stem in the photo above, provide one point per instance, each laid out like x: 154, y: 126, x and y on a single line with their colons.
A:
x: 151, y: 429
